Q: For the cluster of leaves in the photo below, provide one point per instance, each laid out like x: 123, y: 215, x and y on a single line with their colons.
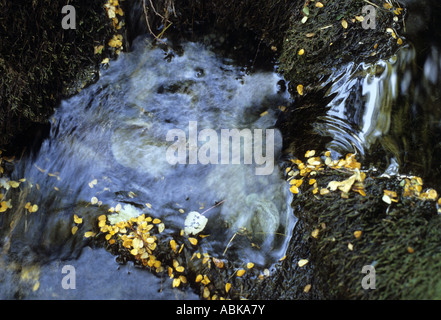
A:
x: 412, y: 186
x: 142, y: 239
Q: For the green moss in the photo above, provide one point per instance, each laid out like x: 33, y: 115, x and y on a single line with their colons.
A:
x: 327, y: 44
x: 39, y: 59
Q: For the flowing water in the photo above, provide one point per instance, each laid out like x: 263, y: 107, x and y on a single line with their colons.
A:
x: 109, y: 143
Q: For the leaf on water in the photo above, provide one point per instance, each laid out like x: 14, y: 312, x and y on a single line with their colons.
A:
x: 14, y: 184
x: 176, y: 282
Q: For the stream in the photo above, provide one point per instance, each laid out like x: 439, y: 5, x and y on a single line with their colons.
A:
x: 148, y: 137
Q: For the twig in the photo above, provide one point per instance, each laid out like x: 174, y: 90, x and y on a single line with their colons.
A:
x: 217, y: 204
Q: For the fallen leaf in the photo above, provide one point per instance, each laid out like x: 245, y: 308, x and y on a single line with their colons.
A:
x: 302, y: 262
x: 240, y: 272
x: 227, y: 287
x: 357, y: 234
x: 344, y: 23
x: 77, y: 219
x: 300, y: 89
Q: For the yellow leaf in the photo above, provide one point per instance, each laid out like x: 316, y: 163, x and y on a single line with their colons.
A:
x: 387, y: 6
x: 350, y: 246
x: 3, y: 206
x: 240, y: 272
x: 74, y: 230
x: 296, y: 182
x: 302, y: 262
x: 134, y: 251
x: 34, y: 208
x: 205, y: 280
x: 294, y: 189
x: 300, y: 89
x: 176, y: 282
x: 344, y: 23
x: 312, y: 181
x: 156, y: 221
x: 193, y: 241
x: 36, y: 286
x: 77, y: 219
x: 14, y: 184
x: 227, y: 287
x: 94, y: 200
x: 89, y: 234
x: 250, y: 265
x: 218, y: 263
x: 307, y: 288
x: 357, y: 234
x: 180, y: 269
x: 301, y: 52
x: 198, y: 278
x: 319, y: 5
x: 206, y: 293
x: 315, y: 233
x: 173, y: 245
